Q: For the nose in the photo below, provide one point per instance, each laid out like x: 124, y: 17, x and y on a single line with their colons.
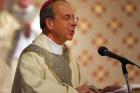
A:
x: 73, y: 23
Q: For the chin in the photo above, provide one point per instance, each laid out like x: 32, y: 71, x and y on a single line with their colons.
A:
x: 70, y: 38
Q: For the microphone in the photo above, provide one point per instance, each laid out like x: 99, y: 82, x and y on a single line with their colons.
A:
x: 103, y: 51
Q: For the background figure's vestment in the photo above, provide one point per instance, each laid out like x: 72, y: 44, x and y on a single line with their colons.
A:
x: 20, y: 42
x: 34, y: 75
x: 8, y: 27
x: 5, y: 78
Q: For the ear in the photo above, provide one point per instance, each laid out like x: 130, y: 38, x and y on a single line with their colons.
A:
x: 48, y: 23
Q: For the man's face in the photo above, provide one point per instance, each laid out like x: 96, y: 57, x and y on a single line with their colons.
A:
x: 63, y: 23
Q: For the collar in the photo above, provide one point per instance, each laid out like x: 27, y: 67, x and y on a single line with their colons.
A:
x: 45, y: 42
x: 57, y: 49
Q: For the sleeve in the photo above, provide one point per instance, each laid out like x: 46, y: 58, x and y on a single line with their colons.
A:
x: 32, y: 72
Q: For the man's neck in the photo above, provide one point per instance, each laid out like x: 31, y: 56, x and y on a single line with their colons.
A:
x: 55, y: 39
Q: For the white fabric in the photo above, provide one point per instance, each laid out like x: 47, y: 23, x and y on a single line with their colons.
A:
x: 35, y: 25
x: 56, y: 49
x: 22, y: 43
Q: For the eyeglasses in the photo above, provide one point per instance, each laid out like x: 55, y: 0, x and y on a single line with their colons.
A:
x: 70, y: 18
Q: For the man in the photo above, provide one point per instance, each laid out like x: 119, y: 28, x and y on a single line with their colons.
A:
x: 23, y: 38
x: 47, y: 65
x: 8, y: 27
x: 25, y: 12
x: 33, y: 73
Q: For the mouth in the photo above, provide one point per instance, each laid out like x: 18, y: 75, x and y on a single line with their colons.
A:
x: 72, y: 32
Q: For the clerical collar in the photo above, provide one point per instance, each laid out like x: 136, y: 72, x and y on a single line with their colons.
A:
x: 56, y: 49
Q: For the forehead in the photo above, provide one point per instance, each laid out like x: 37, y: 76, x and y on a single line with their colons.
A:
x: 63, y: 8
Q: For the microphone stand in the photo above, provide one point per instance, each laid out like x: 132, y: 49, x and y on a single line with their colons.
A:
x: 125, y: 73
x: 137, y: 66
x: 124, y: 62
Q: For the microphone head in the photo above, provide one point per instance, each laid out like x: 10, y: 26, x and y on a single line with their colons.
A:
x: 103, y: 51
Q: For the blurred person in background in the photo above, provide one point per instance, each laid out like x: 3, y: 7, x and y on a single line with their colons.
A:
x: 25, y: 12
x: 8, y: 27
x: 23, y: 38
